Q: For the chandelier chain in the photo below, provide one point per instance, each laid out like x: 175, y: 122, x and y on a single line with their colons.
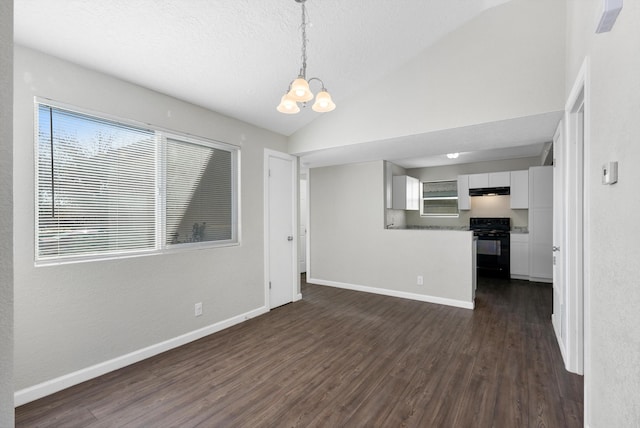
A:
x: 303, y: 70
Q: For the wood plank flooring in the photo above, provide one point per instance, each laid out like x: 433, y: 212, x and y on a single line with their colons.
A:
x: 342, y: 358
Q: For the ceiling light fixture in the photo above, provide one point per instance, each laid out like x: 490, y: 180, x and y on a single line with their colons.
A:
x: 453, y: 155
x: 299, y: 91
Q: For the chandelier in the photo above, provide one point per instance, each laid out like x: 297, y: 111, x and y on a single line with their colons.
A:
x: 299, y: 91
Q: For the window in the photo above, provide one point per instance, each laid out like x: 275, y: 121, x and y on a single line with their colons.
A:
x: 107, y: 188
x: 439, y: 199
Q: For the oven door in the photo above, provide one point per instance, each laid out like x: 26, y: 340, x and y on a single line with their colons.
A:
x: 493, y: 256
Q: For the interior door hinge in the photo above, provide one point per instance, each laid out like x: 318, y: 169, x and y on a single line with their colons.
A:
x: 269, y: 285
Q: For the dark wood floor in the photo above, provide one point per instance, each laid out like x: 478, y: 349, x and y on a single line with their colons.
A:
x: 343, y: 358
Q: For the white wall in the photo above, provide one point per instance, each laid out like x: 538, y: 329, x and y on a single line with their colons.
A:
x: 613, y: 378
x: 496, y: 206
x: 74, y: 316
x: 6, y: 214
x: 350, y: 247
x: 506, y: 63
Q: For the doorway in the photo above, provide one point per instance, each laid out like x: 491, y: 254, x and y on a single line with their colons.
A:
x: 576, y: 275
x: 281, y: 246
x: 304, y: 214
x: 560, y: 283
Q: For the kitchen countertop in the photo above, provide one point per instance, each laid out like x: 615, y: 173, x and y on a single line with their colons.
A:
x: 416, y: 227
x: 515, y: 229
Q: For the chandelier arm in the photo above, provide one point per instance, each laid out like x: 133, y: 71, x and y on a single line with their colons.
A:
x: 319, y: 80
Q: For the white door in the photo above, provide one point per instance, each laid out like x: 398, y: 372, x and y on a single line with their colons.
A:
x: 302, y: 240
x: 281, y: 257
x: 559, y: 316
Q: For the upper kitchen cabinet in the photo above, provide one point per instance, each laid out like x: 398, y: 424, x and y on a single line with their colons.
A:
x: 406, y: 193
x: 492, y: 179
x: 478, y: 181
x: 499, y: 179
x: 464, y: 201
x: 519, y: 189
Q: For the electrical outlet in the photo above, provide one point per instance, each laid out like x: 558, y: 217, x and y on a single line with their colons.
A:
x: 198, y: 309
x: 420, y: 280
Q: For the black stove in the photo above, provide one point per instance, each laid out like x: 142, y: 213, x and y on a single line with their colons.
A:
x: 490, y: 225
x: 493, y: 245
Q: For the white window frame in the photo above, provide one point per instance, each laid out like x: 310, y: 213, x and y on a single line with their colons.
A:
x: 422, y: 199
x: 161, y: 136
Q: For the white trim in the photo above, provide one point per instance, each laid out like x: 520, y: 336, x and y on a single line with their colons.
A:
x: 395, y: 293
x: 544, y: 280
x: 582, y: 85
x: 556, y: 329
x: 43, y: 389
x: 268, y: 153
x: 134, y: 123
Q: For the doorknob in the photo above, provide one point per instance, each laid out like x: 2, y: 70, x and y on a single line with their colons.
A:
x: 289, y: 238
x: 556, y: 248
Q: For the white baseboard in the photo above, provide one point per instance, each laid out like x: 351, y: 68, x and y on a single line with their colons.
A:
x: 395, y: 293
x: 297, y: 297
x: 58, y: 384
x: 556, y: 326
x: 536, y: 279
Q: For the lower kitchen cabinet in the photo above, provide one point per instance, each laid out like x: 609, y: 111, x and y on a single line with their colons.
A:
x: 519, y: 248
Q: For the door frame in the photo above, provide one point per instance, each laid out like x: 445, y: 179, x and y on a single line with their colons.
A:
x: 295, y: 291
x: 560, y: 215
x: 579, y: 296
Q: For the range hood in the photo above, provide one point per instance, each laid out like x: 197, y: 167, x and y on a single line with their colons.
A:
x: 489, y: 191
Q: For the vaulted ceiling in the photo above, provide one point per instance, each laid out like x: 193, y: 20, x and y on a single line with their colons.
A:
x: 238, y: 57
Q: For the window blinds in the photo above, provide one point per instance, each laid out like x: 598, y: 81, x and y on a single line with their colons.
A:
x: 439, y: 199
x: 199, y: 193
x: 96, y: 185
x: 105, y: 188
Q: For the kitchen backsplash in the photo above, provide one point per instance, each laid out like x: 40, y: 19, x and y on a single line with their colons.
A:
x: 481, y: 206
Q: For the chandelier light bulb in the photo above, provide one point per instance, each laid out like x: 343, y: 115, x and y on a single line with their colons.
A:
x: 287, y: 105
x: 323, y: 103
x: 300, y: 91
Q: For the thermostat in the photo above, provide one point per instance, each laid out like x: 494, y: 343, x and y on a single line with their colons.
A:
x: 610, y: 173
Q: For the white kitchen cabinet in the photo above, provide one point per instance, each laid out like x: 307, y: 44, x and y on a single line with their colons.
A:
x: 478, y: 181
x: 519, y: 189
x: 541, y: 223
x: 499, y: 179
x: 406, y: 193
x: 491, y: 179
x: 464, y: 201
x: 519, y: 255
x: 388, y: 185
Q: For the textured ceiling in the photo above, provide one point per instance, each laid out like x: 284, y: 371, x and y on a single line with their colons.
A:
x: 237, y: 57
